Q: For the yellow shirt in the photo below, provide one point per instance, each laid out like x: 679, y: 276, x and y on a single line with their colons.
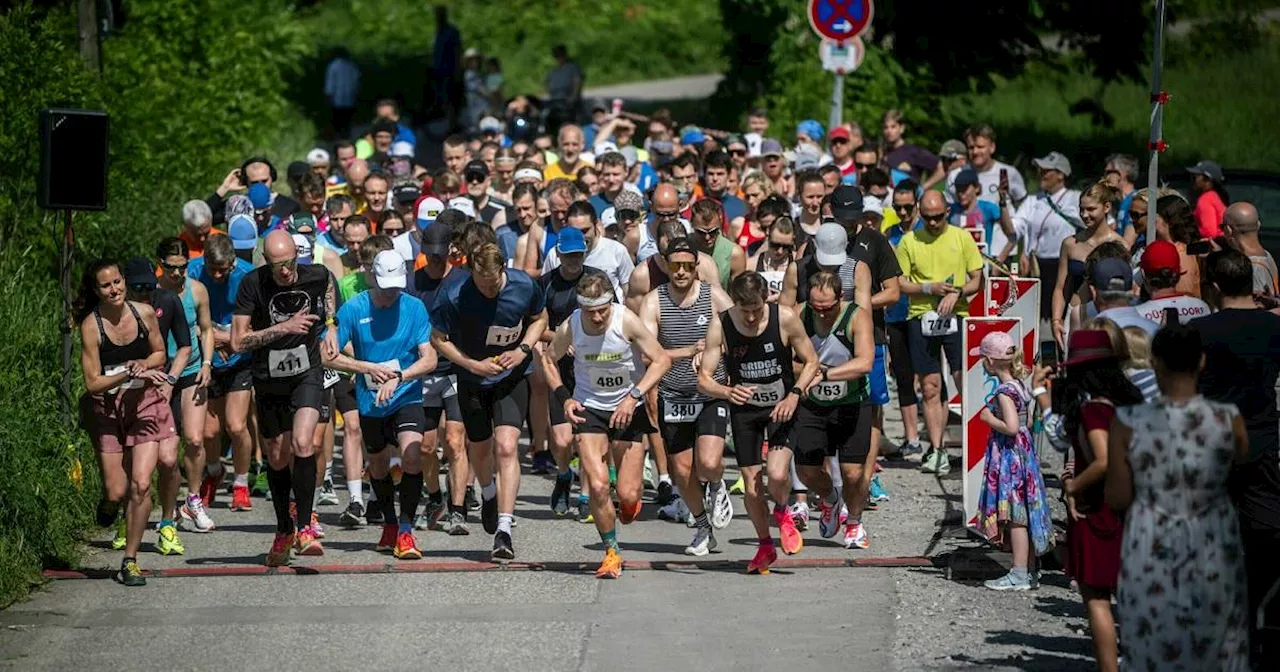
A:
x: 928, y: 258
x: 554, y: 171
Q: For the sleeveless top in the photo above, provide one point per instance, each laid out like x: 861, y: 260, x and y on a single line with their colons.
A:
x: 775, y: 279
x: 113, y: 358
x: 722, y: 254
x: 189, y: 309
x: 834, y: 349
x: 680, y: 328
x: 763, y: 361
x: 604, y: 365
x: 747, y: 241
x: 657, y: 276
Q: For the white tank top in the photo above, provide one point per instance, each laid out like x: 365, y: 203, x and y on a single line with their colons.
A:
x: 604, y: 366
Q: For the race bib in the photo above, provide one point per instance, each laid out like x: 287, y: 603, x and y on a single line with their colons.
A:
x: 130, y: 384
x: 829, y: 390
x: 331, y: 378
x: 681, y: 412
x: 393, y: 364
x: 774, y: 280
x: 288, y: 363
x: 609, y: 378
x: 768, y: 394
x: 502, y: 336
x: 932, y: 324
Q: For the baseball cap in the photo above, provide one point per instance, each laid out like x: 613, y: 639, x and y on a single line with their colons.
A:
x: 770, y: 147
x: 317, y: 157
x: 1209, y: 169
x: 296, y: 170
x: 302, y: 222
x: 389, y: 270
x: 243, y: 232
x: 806, y: 158
x: 692, y: 135
x: 1161, y: 255
x: 628, y: 204
x: 139, y: 271
x: 840, y: 132
x: 428, y: 210
x: 598, y: 105
x: 477, y: 168
x: 966, y: 178
x: 810, y: 128
x: 846, y: 202
x: 997, y: 345
x: 735, y: 140
x: 260, y: 195
x: 435, y: 239
x: 1054, y: 161
x: 605, y: 147
x: 464, y: 205
x: 629, y: 153
x: 1087, y: 345
x: 490, y: 125
x: 831, y: 242
x: 406, y: 193
x: 872, y: 205
x: 1111, y: 275
x: 678, y: 246
x: 304, y: 247
x: 952, y: 149
x: 402, y: 148
x: 570, y: 240
x: 609, y: 217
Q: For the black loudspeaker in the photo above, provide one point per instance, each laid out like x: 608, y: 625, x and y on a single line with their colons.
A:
x: 73, y: 160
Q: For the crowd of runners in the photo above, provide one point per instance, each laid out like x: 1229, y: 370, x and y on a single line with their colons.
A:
x: 647, y: 307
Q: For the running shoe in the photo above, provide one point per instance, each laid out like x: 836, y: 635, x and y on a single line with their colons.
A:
x: 472, y: 500
x: 328, y: 496
x: 194, y: 516
x: 560, y: 495
x: 704, y: 541
x: 944, y: 462
x: 316, y: 526
x: 611, y: 568
x: 765, y: 556
x: 406, y: 547
x: 829, y: 522
x: 542, y: 463
x: 121, y: 538
x: 855, y: 536
x: 373, y: 513
x: 800, y: 515
x: 281, y: 547
x: 792, y: 541
x: 209, y: 487
x: 878, y: 493
x: 455, y: 524
x: 650, y: 474
x: 130, y: 574
x: 1010, y: 582
x: 929, y: 463
x: 739, y: 486
x: 584, y: 512
x: 665, y: 493
x: 387, y: 541
x: 306, y: 542
x: 353, y: 516
x: 675, y: 511
x: 261, y: 487
x: 430, y: 517
x: 721, y: 508
x: 489, y: 514
x: 240, y: 499
x: 502, y: 548
x: 167, y: 541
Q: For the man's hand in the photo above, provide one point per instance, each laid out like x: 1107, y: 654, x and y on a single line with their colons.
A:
x: 230, y: 183
x: 942, y: 288
x: 621, y: 417
x: 485, y: 368
x: 387, y: 390
x: 300, y: 323
x: 741, y: 394
x: 573, y: 411
x: 204, y: 376
x: 947, y: 306
x: 512, y: 358
x: 381, y: 374
x: 330, y: 344
x: 785, y: 408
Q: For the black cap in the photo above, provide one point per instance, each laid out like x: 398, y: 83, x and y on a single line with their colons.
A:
x: 435, y: 238
x: 476, y: 167
x: 296, y: 170
x: 139, y: 271
x: 406, y: 193
x: 677, y: 246
x: 846, y: 203
x: 384, y: 127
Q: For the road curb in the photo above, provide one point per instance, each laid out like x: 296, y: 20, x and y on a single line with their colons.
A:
x: 478, y: 567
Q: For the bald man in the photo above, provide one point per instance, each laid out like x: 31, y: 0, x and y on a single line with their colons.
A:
x: 283, y: 313
x: 357, y: 172
x: 665, y: 208
x: 570, y: 163
x: 1240, y: 225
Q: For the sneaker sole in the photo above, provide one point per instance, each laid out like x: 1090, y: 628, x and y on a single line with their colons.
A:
x: 459, y: 532
x: 312, y: 550
x: 502, y: 554
x: 408, y: 555
x: 696, y: 552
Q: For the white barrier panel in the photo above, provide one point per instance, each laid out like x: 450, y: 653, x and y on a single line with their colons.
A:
x: 978, y: 390
x: 1018, y: 297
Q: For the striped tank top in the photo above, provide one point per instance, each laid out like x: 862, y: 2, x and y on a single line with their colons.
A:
x: 679, y: 328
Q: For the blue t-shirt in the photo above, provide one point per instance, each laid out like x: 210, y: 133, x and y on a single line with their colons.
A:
x: 222, y: 300
x: 382, y: 336
x: 482, y: 327
x: 325, y: 240
x: 733, y: 206
x: 508, y: 235
x: 984, y: 215
x: 1122, y: 217
x: 600, y: 203
x: 898, y: 311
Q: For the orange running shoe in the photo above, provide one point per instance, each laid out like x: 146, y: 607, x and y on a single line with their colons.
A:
x: 281, y: 546
x: 316, y: 526
x: 306, y: 543
x: 240, y: 498
x: 765, y: 556
x: 209, y: 489
x: 792, y: 541
x: 407, y: 547
x: 629, y: 512
x: 611, y: 568
x: 387, y: 541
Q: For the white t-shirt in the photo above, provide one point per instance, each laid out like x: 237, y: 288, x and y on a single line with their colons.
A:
x: 989, y: 181
x: 1039, y: 222
x: 1189, y: 308
x: 609, y: 256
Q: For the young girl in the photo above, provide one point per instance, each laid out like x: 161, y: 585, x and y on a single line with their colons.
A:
x: 1096, y: 210
x: 1012, y: 506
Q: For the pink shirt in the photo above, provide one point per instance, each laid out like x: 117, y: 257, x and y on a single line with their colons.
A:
x: 1209, y: 212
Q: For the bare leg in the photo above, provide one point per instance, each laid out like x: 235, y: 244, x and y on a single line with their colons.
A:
x: 1102, y: 626
x: 140, y: 460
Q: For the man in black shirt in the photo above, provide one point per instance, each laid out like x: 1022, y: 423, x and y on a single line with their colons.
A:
x: 1241, y: 344
x: 283, y: 313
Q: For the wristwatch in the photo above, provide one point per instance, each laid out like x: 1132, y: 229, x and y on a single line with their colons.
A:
x: 400, y: 376
x: 524, y: 347
x: 795, y: 389
x: 171, y: 379
x: 637, y: 394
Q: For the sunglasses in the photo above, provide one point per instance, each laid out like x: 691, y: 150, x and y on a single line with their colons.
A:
x: 865, y: 166
x: 1137, y: 214
x: 839, y: 141
x: 782, y: 247
x: 174, y: 267
x: 904, y: 207
x: 287, y: 264
x: 393, y: 231
x: 682, y: 266
x: 666, y: 215
x: 476, y: 179
x: 708, y: 233
x: 738, y: 152
x: 933, y: 218
x: 142, y: 288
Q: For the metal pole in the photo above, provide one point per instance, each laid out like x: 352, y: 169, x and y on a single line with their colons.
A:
x: 64, y: 278
x: 1156, y: 143
x: 837, y: 103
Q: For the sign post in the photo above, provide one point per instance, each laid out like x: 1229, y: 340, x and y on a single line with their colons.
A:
x: 839, y: 23
x: 839, y: 59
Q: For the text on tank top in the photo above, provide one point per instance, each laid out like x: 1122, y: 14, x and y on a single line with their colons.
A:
x: 681, y: 328
x: 763, y: 361
x: 833, y: 350
x: 604, y: 365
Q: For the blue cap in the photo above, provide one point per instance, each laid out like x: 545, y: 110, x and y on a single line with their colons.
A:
x: 260, y: 195
x: 570, y: 241
x: 692, y: 136
x: 243, y: 232
x: 810, y: 128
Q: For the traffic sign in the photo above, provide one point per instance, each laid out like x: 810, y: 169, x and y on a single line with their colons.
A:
x: 841, y: 58
x: 840, y: 20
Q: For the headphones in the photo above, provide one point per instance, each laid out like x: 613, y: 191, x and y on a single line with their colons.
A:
x: 244, y: 175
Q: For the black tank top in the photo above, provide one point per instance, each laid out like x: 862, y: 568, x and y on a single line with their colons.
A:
x: 110, y: 354
x: 657, y: 276
x: 763, y: 361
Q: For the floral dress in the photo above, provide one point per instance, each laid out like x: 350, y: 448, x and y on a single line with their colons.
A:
x: 1181, y: 599
x: 1013, y: 489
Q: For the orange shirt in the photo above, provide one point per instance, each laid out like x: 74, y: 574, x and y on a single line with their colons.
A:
x: 196, y: 247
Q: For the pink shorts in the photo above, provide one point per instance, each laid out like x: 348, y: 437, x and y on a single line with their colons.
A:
x: 126, y: 418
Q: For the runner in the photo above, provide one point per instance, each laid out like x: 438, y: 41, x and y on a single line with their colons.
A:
x: 390, y: 334
x: 122, y: 409
x: 835, y: 418
x: 561, y: 193
x: 609, y: 383
x: 759, y: 339
x: 281, y: 311
x: 707, y: 237
x: 679, y: 312
x: 776, y: 262
x: 653, y: 271
x: 605, y: 254
x: 494, y: 314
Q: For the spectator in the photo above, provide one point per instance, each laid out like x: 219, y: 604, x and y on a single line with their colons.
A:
x: 953, y: 155
x: 1138, y: 366
x: 905, y: 158
x: 1211, y: 199
x: 1099, y: 228
x: 1240, y: 225
x: 980, y: 142
x: 970, y: 212
x: 446, y: 66
x: 1121, y: 172
x: 1041, y: 222
x: 341, y: 90
x: 564, y: 89
x: 1112, y: 289
x: 842, y: 148
x: 1162, y: 270
x: 757, y: 126
x: 1176, y: 223
x: 715, y: 175
x: 473, y: 86
x: 389, y: 109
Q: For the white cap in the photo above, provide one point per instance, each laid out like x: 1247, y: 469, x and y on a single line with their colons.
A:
x: 831, y: 243
x: 490, y: 123
x: 303, y: 244
x: 872, y: 204
x: 605, y: 147
x: 389, y: 270
x: 464, y: 205
x: 609, y: 217
x: 402, y: 148
x: 429, y: 209
x: 317, y: 157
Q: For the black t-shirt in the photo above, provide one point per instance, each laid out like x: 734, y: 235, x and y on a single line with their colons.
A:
x: 873, y: 249
x: 562, y: 294
x: 171, y: 316
x: 268, y: 304
x: 426, y: 288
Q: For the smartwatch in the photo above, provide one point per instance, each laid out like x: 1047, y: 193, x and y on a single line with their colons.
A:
x: 797, y: 391
x: 637, y: 394
x: 824, y: 374
x: 400, y: 376
x: 171, y: 379
x: 524, y: 347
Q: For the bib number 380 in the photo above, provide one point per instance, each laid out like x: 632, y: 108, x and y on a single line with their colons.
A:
x: 681, y: 412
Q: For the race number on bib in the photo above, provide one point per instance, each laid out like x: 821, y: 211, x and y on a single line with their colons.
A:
x: 502, y: 336
x: 768, y: 394
x: 609, y: 378
x: 288, y: 363
x: 331, y: 378
x: 933, y: 324
x: 829, y: 390
x: 130, y: 384
x: 393, y: 364
x: 681, y: 412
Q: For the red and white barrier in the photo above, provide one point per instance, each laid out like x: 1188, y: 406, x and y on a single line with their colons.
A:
x: 978, y: 388
x: 1018, y: 297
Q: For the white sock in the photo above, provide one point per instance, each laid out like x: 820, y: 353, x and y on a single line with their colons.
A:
x: 796, y: 483
x: 328, y: 470
x: 504, y: 522
x: 355, y: 490
x: 833, y: 467
x: 242, y: 480
x: 666, y: 478
x: 489, y: 491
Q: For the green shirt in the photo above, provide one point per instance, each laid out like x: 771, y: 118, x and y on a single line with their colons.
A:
x: 350, y: 285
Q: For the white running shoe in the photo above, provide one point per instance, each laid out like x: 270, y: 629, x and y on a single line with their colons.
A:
x: 704, y: 541
x: 800, y: 515
x: 721, y: 508
x: 855, y: 536
x: 650, y: 474
x: 196, y: 518
x: 327, y: 496
x: 829, y: 522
